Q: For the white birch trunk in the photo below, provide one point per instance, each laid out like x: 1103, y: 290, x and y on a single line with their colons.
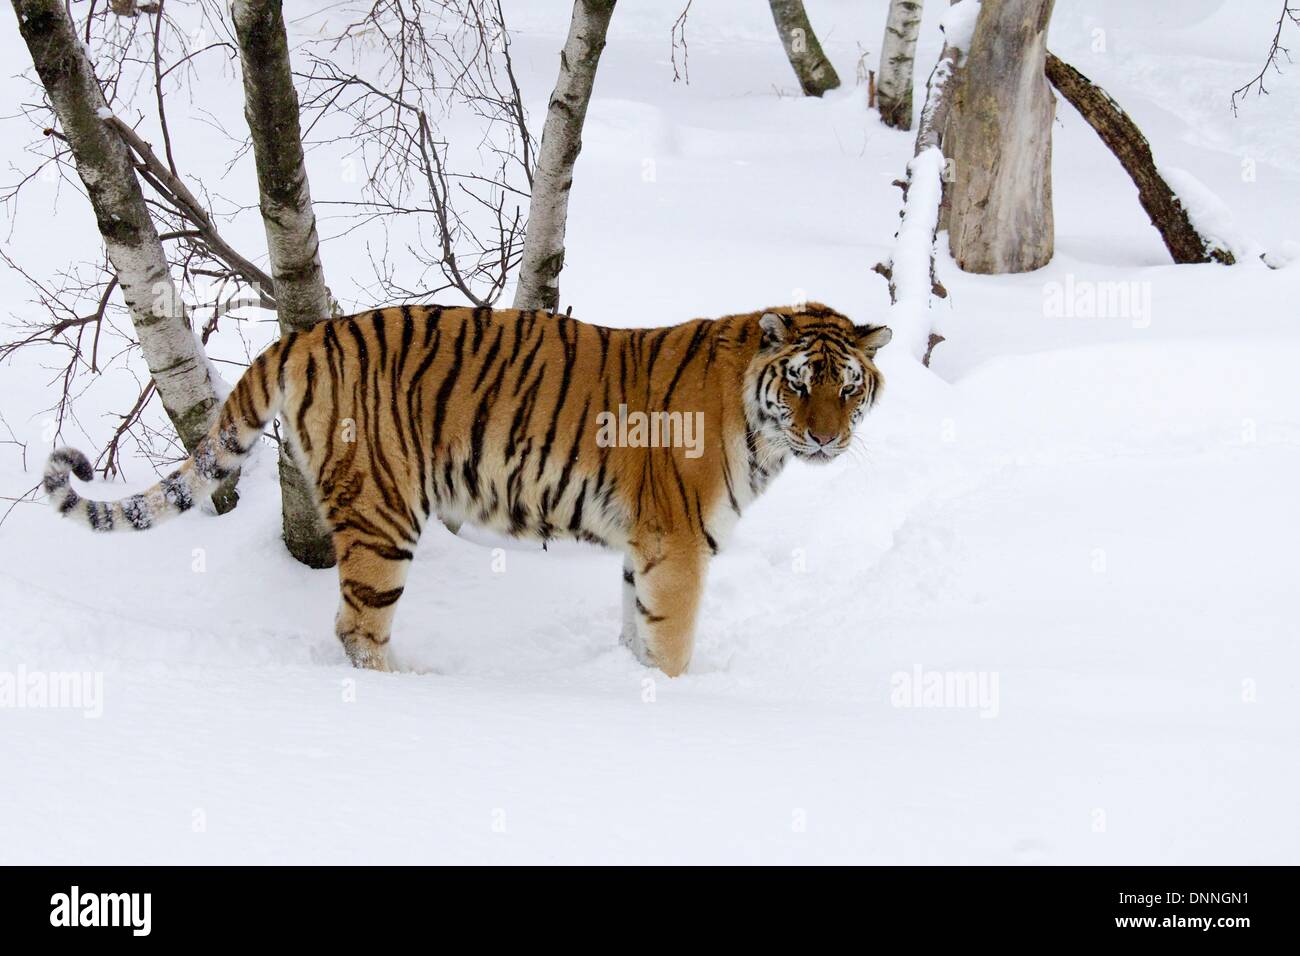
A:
x: 1000, y: 140
x: 802, y: 48
x: 301, y: 297
x: 271, y: 108
x: 171, y: 350
x: 897, y: 60
x: 543, y: 255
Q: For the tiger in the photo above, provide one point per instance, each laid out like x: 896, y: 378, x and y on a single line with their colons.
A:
x: 501, y: 418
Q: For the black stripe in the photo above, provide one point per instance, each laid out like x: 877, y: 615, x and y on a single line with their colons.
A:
x: 479, y: 315
x: 694, y: 345
x: 444, y: 390
x: 370, y: 597
x: 308, y: 396
x: 528, y: 361
x: 363, y: 352
x: 657, y: 339
x: 575, y: 521
x: 381, y: 336
x: 285, y: 349
x: 490, y: 358
x: 650, y: 618
x: 478, y: 430
x: 603, y: 333
x: 566, y: 376
x: 177, y: 492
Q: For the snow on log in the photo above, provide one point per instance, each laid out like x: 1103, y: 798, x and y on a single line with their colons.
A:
x: 1123, y: 138
x: 911, y: 270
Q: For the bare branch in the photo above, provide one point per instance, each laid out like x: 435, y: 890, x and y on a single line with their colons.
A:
x: 1275, y: 50
x: 172, y: 189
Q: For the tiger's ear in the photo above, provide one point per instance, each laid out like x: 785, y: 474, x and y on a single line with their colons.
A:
x: 774, y: 326
x: 872, y: 337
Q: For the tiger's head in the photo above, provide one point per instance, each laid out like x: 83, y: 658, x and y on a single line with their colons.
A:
x: 813, y: 379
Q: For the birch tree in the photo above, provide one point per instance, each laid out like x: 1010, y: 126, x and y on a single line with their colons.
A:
x: 897, y: 57
x: 301, y: 297
x: 543, y: 254
x: 172, y: 351
x: 802, y: 48
x: 1000, y: 200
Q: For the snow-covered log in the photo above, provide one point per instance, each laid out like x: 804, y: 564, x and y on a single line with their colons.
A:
x: 543, y: 255
x: 910, y: 270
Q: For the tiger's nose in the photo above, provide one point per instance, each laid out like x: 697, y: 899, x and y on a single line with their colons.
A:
x: 823, y: 438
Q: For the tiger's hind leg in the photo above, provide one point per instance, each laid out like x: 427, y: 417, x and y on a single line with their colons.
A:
x: 668, y: 579
x: 372, y: 575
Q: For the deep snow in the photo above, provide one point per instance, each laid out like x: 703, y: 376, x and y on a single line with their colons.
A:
x: 1092, y: 514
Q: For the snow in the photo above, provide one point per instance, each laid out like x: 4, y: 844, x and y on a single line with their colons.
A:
x: 911, y: 318
x: 1077, y: 524
x: 958, y: 23
x: 1209, y: 214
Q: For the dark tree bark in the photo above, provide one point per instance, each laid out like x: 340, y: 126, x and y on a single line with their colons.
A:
x: 1122, y: 136
x: 999, y: 137
x: 175, y: 358
x: 815, y: 73
x: 548, y: 211
x: 301, y: 297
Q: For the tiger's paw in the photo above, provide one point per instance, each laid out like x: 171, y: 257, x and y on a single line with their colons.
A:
x: 365, y: 653
x: 634, y: 644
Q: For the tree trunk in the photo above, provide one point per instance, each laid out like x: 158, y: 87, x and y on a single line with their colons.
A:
x: 897, y: 56
x: 543, y: 255
x: 910, y: 270
x: 1000, y: 215
x: 271, y: 108
x: 815, y: 73
x: 1131, y: 148
x: 172, y: 351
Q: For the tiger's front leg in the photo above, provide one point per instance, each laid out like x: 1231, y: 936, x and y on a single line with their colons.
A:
x: 668, y: 573
x: 372, y: 575
x: 630, y: 636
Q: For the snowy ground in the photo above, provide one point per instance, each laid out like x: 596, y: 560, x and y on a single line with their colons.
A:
x: 1091, y: 515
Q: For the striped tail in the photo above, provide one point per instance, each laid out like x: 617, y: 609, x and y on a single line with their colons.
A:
x: 254, y: 402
